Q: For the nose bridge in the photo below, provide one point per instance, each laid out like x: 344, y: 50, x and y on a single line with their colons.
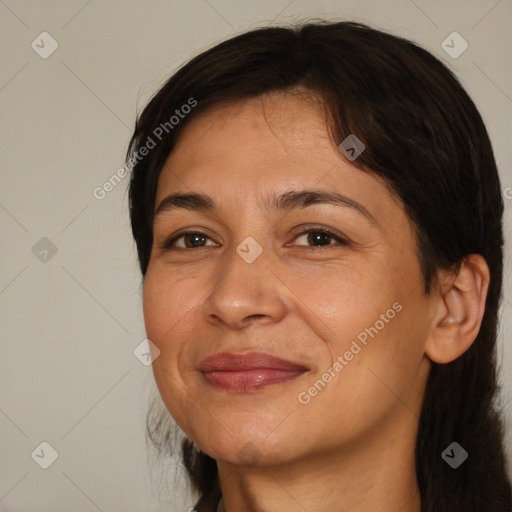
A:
x: 247, y: 289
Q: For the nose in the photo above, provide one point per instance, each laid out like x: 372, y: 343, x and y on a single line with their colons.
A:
x: 246, y: 293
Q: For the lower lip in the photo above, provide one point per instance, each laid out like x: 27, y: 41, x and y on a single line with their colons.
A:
x: 249, y: 380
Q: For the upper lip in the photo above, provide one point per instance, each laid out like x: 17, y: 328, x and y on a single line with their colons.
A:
x: 227, y: 361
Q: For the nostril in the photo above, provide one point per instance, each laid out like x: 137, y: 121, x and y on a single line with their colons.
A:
x: 256, y: 316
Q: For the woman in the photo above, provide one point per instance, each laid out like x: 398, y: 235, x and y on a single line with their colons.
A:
x: 317, y: 214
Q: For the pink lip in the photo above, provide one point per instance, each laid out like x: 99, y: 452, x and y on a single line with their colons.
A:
x: 247, y: 372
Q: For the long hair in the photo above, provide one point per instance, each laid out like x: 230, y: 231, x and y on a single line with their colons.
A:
x: 425, y: 137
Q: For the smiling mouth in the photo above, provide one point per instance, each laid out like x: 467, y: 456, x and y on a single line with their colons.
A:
x: 249, y: 380
x: 248, y: 372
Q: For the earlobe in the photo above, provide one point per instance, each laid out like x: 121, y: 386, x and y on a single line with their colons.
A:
x: 460, y: 309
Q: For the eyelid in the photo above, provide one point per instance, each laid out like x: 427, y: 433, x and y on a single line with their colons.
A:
x: 170, y: 240
x: 318, y: 228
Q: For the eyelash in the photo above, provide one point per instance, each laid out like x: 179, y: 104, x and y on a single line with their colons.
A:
x: 168, y: 244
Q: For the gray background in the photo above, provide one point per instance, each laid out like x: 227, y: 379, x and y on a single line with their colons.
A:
x: 71, y: 320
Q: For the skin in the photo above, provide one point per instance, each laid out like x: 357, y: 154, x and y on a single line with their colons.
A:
x: 351, y: 447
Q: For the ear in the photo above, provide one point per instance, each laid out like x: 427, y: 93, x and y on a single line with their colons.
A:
x: 459, y: 308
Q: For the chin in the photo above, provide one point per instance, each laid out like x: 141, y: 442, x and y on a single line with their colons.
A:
x: 244, y: 443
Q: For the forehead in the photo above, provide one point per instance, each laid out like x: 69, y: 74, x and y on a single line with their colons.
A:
x: 296, y: 123
x: 272, y: 142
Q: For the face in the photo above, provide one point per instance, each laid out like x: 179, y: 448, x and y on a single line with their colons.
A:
x: 289, y: 324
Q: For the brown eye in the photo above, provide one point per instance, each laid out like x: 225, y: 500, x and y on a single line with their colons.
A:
x: 321, y: 238
x: 189, y: 240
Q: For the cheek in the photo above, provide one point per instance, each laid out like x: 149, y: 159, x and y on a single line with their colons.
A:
x: 154, y: 304
x: 166, y: 304
x: 165, y: 307
x: 350, y: 300
x: 378, y: 328
x: 371, y: 378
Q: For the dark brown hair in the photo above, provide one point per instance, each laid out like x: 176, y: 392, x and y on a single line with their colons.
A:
x: 425, y: 138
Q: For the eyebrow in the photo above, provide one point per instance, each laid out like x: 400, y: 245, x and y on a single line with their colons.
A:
x: 291, y: 200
